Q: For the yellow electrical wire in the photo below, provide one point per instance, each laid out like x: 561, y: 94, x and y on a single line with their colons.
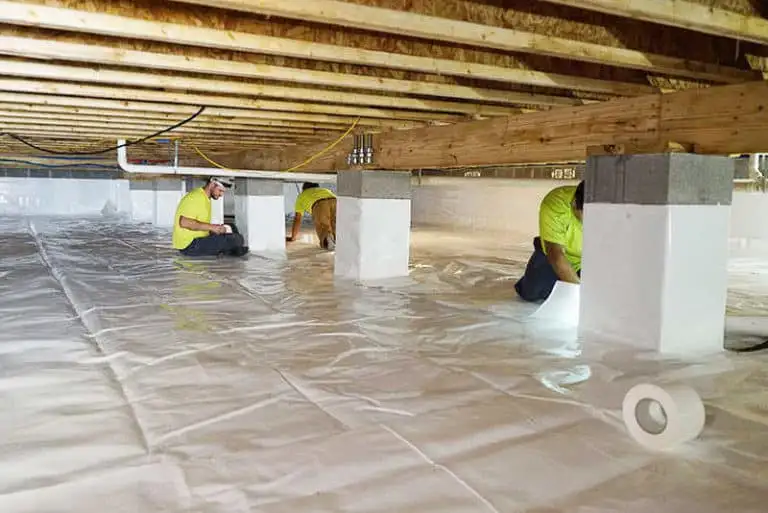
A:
x: 327, y: 149
x: 294, y: 168
x: 216, y: 164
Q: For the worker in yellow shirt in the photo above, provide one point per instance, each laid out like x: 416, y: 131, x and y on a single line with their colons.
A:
x: 193, y: 233
x: 557, y: 249
x: 321, y: 203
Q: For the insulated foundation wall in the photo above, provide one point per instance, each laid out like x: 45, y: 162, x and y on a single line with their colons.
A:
x: 511, y: 206
x: 33, y: 195
x: 480, y: 204
x: 25, y: 192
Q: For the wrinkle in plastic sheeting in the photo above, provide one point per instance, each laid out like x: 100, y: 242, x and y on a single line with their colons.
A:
x: 134, y: 378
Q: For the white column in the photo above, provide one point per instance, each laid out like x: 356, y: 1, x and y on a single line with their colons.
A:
x: 142, y: 194
x: 655, y: 251
x: 260, y: 214
x: 373, y: 225
x: 168, y: 193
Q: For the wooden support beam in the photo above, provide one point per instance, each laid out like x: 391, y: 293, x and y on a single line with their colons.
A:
x: 717, y: 120
x: 141, y: 100
x: 361, y: 17
x: 35, y: 48
x: 95, y: 75
x: 58, y: 18
x: 683, y: 14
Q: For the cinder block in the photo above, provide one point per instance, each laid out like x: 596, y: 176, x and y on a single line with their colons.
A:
x: 660, y: 179
x: 258, y: 187
x: 374, y: 184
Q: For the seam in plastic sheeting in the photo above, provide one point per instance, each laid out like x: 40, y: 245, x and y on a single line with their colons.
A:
x: 79, y: 311
x: 488, y: 504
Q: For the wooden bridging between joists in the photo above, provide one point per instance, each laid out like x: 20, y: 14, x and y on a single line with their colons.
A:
x: 718, y: 120
x: 347, y: 14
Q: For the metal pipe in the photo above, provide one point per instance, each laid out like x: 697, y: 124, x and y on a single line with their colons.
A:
x: 176, y: 153
x: 356, y: 151
x: 369, y: 148
x: 141, y: 169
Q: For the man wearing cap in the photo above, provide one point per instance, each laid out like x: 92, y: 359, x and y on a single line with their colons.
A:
x: 193, y: 233
x: 321, y: 202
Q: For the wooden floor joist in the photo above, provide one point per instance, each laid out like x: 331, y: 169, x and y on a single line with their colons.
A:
x: 718, y: 120
x: 155, y: 118
x: 141, y: 100
x: 105, y: 55
x: 31, y: 15
x: 97, y: 75
x: 389, y: 21
x: 683, y: 14
x: 84, y: 134
x: 66, y: 143
x: 211, y: 130
x: 440, y: 84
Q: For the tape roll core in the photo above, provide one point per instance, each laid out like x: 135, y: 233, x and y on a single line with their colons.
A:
x: 651, y: 416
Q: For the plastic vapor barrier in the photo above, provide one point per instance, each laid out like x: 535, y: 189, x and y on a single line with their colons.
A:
x: 133, y: 380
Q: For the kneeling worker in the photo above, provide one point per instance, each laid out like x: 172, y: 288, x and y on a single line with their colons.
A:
x: 321, y: 203
x: 193, y: 233
x: 557, y: 249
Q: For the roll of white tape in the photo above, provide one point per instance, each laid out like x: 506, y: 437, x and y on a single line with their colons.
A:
x: 228, y: 228
x: 663, y: 418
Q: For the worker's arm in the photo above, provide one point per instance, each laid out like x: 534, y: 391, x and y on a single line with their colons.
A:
x: 295, y: 228
x: 193, y: 224
x: 563, y: 268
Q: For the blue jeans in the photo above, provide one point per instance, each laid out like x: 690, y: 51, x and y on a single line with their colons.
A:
x: 539, y: 278
x: 214, y: 245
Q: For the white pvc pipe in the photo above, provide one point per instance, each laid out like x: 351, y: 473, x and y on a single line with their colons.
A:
x: 122, y: 161
x: 754, y: 164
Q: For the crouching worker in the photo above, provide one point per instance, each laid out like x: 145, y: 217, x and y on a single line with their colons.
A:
x: 321, y: 203
x: 557, y: 249
x: 193, y: 233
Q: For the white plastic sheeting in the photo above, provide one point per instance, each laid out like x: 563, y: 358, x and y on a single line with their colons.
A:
x: 132, y: 380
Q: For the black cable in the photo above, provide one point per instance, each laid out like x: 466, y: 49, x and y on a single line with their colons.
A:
x: 125, y: 144
x: 751, y: 349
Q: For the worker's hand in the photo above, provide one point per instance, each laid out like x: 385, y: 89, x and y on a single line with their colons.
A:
x: 219, y: 229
